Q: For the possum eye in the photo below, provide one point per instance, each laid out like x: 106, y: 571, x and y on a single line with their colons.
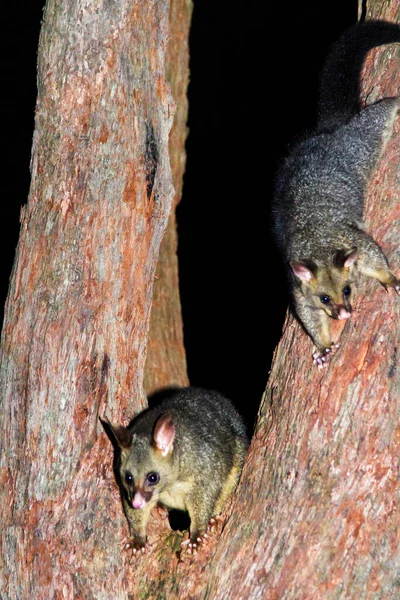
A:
x: 346, y: 291
x: 324, y: 299
x: 128, y: 478
x: 152, y: 478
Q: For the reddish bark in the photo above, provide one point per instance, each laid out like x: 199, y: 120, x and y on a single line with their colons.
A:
x: 315, y: 513
x: 166, y: 360
x: 77, y: 316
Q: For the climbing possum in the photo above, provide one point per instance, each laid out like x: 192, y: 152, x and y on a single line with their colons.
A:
x: 185, y: 453
x: 318, y: 201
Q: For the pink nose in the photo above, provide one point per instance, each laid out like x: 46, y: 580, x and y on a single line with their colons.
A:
x: 343, y: 314
x: 138, y: 501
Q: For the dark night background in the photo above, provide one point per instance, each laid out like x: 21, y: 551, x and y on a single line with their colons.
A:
x: 254, y: 69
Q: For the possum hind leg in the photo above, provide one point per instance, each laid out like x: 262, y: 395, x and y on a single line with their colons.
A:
x: 233, y: 476
x: 372, y: 262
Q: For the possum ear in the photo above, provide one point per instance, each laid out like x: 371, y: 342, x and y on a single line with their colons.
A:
x: 304, y: 270
x: 164, y: 434
x: 351, y: 258
x: 344, y: 259
x: 119, y: 436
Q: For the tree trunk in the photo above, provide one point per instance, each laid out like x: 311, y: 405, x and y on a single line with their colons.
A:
x: 166, y: 360
x: 316, y: 512
x: 314, y: 516
x: 104, y: 163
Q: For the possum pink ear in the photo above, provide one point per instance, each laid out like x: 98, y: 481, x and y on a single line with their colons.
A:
x: 350, y: 259
x: 164, y: 434
x: 344, y: 259
x: 301, y: 270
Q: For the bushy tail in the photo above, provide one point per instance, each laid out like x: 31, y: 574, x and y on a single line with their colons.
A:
x: 340, y: 77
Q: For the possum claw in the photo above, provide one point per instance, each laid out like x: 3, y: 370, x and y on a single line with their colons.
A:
x: 392, y: 282
x: 140, y: 550
x: 185, y: 542
x: 137, y: 548
x: 194, y: 543
x: 321, y: 357
x: 213, y: 523
x: 192, y: 546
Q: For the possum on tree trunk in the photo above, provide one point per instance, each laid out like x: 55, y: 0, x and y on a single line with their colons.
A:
x: 318, y: 201
x: 186, y: 453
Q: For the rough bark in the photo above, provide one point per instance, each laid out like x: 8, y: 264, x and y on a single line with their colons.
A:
x: 77, y: 315
x: 316, y: 510
x: 315, y: 513
x: 166, y: 360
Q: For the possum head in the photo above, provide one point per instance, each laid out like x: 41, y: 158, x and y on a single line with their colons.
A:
x: 328, y: 287
x: 146, y: 465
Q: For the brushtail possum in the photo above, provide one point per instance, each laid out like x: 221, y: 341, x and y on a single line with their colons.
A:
x: 186, y: 453
x: 318, y: 200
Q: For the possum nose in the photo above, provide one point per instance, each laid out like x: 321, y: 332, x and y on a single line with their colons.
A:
x: 343, y: 313
x: 138, y: 500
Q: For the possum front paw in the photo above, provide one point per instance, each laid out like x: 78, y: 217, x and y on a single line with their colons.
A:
x: 138, y: 546
x: 388, y: 280
x: 197, y: 540
x: 194, y: 543
x: 321, y: 357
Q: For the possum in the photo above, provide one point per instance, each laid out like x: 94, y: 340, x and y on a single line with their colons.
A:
x: 319, y: 191
x: 186, y: 453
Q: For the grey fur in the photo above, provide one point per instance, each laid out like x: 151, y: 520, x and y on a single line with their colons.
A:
x: 200, y: 472
x: 318, y: 203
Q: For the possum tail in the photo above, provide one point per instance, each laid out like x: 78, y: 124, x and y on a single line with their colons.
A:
x: 340, y: 77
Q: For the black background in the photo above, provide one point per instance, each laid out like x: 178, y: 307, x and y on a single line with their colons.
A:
x: 254, y: 69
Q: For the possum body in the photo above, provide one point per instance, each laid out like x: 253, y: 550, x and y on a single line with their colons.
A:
x: 320, y: 189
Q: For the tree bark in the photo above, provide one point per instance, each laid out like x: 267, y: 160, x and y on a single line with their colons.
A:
x: 315, y: 513
x: 104, y: 166
x: 166, y: 359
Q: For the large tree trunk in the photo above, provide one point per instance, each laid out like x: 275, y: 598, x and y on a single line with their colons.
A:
x: 315, y: 514
x: 77, y: 317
